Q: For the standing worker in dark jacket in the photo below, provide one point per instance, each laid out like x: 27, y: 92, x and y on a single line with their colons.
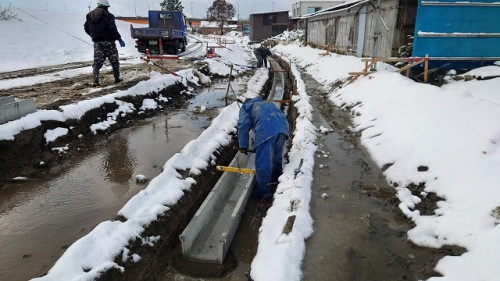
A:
x: 261, y: 54
x: 101, y: 27
x: 270, y: 126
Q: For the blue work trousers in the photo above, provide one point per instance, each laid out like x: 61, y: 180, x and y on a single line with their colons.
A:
x: 269, y: 165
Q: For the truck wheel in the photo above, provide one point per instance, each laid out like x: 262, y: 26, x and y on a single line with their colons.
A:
x: 183, y: 46
x: 176, y: 47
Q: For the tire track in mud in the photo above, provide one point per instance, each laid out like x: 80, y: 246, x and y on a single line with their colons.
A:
x: 43, y: 70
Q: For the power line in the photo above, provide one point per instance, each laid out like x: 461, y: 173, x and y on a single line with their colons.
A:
x: 64, y: 31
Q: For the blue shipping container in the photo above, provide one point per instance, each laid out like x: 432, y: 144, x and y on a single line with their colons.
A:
x: 458, y: 29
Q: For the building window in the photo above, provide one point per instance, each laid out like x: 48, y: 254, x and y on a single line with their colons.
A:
x: 269, y: 19
x: 311, y: 10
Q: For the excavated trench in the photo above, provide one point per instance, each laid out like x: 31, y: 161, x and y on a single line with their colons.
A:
x: 374, y: 222
x: 58, y: 202
x: 165, y: 261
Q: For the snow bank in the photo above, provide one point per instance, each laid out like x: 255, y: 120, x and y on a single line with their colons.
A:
x: 279, y: 256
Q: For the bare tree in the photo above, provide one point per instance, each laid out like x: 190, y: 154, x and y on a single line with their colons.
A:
x: 221, y: 11
x: 7, y: 14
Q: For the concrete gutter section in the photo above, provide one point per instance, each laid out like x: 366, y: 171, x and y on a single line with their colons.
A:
x: 10, y: 109
x: 209, y: 234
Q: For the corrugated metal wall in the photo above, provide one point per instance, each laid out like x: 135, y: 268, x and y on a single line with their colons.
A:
x: 468, y: 29
x: 382, y: 35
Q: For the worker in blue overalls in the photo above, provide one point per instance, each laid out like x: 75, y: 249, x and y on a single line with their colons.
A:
x: 270, y: 126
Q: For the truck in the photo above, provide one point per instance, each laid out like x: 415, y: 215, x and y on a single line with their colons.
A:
x: 166, y: 33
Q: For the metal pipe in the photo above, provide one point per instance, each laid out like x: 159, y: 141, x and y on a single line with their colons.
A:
x: 474, y: 4
x: 442, y: 34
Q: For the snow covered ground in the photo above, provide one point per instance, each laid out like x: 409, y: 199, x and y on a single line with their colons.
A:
x: 452, y: 130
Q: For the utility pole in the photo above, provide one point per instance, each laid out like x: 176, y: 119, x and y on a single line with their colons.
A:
x: 238, y: 16
x: 192, y: 15
x: 135, y: 8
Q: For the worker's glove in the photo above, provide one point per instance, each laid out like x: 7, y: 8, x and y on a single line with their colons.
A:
x: 122, y: 44
x: 244, y: 150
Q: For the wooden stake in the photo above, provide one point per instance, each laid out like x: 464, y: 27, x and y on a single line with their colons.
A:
x: 426, y: 68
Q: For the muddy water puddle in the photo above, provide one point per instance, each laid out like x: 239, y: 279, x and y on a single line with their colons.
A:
x: 215, y: 97
x: 42, y: 216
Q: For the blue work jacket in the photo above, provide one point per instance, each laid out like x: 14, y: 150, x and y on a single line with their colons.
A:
x: 264, y: 118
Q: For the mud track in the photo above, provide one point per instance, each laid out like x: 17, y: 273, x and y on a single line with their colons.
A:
x: 66, y: 91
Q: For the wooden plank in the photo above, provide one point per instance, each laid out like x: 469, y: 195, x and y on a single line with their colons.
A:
x: 361, y: 73
x: 410, y: 66
x: 159, y: 66
x: 426, y: 69
x: 280, y: 101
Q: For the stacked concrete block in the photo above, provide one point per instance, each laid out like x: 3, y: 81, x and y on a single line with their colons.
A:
x: 10, y: 109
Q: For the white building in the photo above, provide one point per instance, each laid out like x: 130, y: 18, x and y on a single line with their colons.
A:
x: 309, y: 7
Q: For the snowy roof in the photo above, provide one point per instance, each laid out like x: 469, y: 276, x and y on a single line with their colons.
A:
x: 274, y: 12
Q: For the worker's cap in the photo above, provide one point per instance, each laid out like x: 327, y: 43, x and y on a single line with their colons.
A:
x: 103, y: 3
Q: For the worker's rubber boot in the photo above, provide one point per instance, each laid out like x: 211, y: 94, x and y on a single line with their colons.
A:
x: 95, y: 76
x: 116, y: 73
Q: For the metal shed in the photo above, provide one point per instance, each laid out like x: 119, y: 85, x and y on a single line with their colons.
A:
x: 365, y: 28
x: 454, y: 30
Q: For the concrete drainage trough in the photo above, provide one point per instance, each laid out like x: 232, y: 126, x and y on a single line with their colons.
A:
x: 10, y: 109
x: 209, y: 234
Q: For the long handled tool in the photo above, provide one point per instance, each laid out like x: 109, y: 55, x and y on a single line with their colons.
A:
x: 236, y: 170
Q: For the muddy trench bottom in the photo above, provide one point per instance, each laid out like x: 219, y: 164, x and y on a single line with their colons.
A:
x: 359, y: 232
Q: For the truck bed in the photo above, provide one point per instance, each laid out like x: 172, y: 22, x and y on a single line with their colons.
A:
x: 155, y: 33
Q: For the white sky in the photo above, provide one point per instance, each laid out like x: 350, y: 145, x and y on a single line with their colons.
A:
x: 140, y: 7
x: 453, y: 130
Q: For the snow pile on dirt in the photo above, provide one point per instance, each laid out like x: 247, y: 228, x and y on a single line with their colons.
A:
x: 157, y: 82
x: 279, y: 255
x: 445, y: 137
x: 52, y: 135
x: 291, y: 35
